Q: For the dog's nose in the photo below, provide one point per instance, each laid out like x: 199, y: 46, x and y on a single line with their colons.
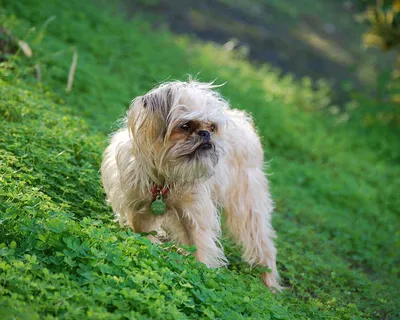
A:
x: 205, y: 134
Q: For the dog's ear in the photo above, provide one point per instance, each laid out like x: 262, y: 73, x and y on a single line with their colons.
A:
x: 158, y: 102
x: 148, y: 119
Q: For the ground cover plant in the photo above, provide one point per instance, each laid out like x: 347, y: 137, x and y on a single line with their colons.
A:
x: 63, y: 257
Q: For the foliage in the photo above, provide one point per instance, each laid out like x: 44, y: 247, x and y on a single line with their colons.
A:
x: 384, y: 33
x: 62, y: 255
x: 384, y: 23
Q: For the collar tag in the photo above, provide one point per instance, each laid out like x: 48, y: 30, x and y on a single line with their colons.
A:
x: 158, y: 206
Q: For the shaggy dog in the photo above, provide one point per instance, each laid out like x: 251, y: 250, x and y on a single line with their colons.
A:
x: 180, y: 156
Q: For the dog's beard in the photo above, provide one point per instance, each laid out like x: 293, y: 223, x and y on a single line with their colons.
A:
x: 191, y: 160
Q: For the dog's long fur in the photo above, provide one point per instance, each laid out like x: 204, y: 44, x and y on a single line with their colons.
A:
x: 145, y: 153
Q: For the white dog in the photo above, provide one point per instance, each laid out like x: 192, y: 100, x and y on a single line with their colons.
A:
x: 181, y: 155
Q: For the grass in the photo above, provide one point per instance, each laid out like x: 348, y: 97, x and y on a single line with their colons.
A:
x: 63, y: 257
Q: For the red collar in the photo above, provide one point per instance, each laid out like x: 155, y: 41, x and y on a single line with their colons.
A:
x: 156, y: 190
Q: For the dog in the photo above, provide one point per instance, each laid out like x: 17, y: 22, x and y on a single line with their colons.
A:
x: 181, y: 155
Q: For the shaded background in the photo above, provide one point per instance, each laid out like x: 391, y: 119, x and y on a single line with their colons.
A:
x: 317, y: 39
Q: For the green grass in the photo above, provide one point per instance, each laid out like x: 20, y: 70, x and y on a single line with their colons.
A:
x: 62, y: 255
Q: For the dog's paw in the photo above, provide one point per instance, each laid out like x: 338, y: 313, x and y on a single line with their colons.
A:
x: 271, y: 282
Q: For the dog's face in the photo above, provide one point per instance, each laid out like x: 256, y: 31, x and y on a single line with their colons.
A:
x: 178, y: 129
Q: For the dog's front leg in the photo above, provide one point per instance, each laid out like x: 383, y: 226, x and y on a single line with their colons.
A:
x: 146, y: 223
x: 201, y: 222
x: 248, y: 210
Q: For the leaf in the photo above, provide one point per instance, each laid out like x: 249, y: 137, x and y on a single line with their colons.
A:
x: 56, y: 225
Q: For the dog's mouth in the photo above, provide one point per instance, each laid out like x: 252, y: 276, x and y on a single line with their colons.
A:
x: 204, y: 146
x: 201, y: 149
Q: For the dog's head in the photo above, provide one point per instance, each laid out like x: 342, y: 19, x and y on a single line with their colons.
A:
x: 178, y: 129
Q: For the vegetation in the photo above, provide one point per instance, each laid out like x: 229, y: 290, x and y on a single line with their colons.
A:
x: 384, y: 32
x: 63, y: 257
x: 385, y: 29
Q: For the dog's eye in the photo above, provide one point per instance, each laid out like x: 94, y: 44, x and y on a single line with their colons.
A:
x: 213, y: 127
x: 185, y: 127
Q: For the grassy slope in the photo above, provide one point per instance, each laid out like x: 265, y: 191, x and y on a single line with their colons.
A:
x: 62, y: 255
